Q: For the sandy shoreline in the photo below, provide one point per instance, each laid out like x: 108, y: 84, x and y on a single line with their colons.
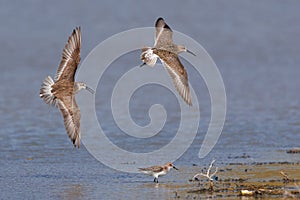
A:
x: 258, y: 180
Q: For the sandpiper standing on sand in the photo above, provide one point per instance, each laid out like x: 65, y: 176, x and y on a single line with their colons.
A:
x: 167, y: 52
x: 157, y: 171
x: 61, y: 92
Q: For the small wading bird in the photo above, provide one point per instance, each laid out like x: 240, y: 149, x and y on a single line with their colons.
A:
x: 157, y: 171
x: 167, y: 52
x: 61, y: 92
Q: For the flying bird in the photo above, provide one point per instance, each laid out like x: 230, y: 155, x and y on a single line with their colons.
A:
x: 61, y: 91
x: 167, y: 52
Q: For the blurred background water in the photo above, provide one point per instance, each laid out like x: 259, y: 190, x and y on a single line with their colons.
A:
x: 255, y: 45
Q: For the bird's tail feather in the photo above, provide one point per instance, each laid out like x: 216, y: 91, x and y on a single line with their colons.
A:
x: 148, y: 57
x: 46, y: 93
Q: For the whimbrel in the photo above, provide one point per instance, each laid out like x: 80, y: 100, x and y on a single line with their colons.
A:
x: 167, y: 52
x: 61, y: 92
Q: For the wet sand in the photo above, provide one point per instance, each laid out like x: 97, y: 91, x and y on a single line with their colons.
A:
x: 257, y: 180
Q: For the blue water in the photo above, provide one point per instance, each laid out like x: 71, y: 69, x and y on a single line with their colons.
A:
x: 254, y: 44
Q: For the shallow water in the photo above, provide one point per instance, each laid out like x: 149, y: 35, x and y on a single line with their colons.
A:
x: 255, y: 46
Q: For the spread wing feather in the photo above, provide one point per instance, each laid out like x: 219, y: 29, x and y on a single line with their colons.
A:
x: 163, y: 35
x: 71, y: 114
x: 179, y: 76
x: 70, y: 57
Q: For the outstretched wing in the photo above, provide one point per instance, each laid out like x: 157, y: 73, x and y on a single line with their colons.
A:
x: 163, y: 35
x: 70, y: 57
x: 71, y: 114
x: 178, y: 73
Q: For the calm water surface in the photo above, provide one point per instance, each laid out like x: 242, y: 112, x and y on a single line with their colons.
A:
x: 255, y: 45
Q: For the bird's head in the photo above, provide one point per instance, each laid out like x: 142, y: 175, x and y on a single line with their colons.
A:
x: 182, y: 48
x: 170, y: 165
x: 80, y: 85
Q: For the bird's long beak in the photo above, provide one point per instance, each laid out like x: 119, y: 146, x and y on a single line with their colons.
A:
x: 190, y: 52
x: 90, y: 90
x: 143, y: 64
x: 175, y: 167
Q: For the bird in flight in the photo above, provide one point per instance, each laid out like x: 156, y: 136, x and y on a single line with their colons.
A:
x: 61, y: 91
x: 167, y: 52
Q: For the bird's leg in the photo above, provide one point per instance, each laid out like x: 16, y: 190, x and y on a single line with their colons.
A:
x: 154, y: 180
